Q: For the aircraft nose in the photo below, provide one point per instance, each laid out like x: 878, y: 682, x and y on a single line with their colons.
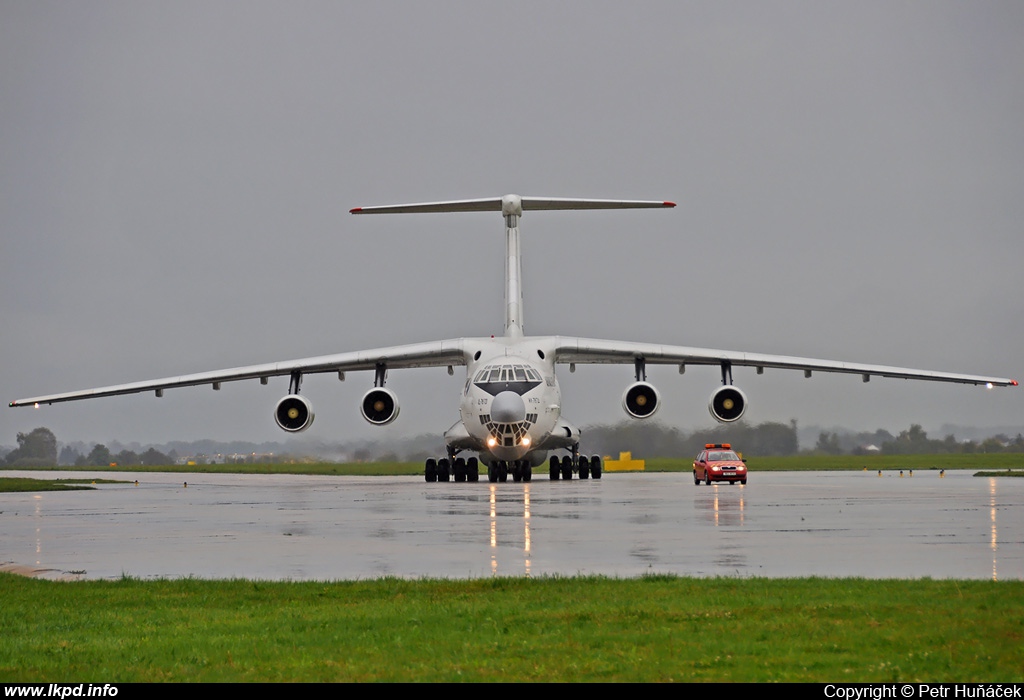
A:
x: 508, y: 407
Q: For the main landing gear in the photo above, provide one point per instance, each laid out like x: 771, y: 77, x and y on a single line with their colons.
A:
x: 445, y: 469
x: 459, y: 469
x: 563, y: 468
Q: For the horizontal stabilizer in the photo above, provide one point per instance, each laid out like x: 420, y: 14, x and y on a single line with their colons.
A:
x: 511, y: 204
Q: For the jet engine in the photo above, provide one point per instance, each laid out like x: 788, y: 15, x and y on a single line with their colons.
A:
x: 727, y: 404
x: 641, y: 400
x: 379, y: 406
x: 294, y: 413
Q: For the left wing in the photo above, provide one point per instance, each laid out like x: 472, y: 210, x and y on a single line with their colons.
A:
x: 591, y: 351
x: 432, y: 354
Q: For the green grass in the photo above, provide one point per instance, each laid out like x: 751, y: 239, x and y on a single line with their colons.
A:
x: 658, y: 628
x: 1005, y: 473
x: 994, y: 461
x: 1000, y: 460
x: 19, y: 485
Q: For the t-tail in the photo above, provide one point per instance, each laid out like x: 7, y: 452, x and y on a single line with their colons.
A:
x: 512, y: 207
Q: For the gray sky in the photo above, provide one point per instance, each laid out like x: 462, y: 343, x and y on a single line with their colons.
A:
x: 175, y: 180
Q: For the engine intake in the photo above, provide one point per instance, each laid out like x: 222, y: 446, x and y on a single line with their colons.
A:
x: 294, y: 413
x: 641, y: 400
x: 727, y: 404
x: 379, y: 406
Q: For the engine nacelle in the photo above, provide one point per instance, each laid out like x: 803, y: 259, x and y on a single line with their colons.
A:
x: 294, y: 413
x: 379, y: 406
x: 641, y: 400
x: 727, y: 404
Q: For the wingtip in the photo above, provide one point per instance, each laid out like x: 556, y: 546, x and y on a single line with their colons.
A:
x: 1013, y: 382
x: 355, y: 210
x: 668, y: 204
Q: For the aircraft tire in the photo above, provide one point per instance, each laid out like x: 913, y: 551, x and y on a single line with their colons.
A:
x: 566, y: 469
x: 553, y: 469
x: 595, y: 467
x: 459, y: 469
x: 430, y: 471
x: 473, y: 469
x: 492, y: 472
x: 442, y: 470
x: 584, y: 468
x: 527, y: 471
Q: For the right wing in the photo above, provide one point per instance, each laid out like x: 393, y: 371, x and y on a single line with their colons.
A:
x: 433, y: 354
x: 592, y: 351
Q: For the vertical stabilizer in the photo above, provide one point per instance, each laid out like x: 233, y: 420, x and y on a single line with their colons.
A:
x: 511, y: 206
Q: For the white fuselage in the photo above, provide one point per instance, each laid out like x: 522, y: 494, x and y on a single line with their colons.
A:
x: 511, y: 404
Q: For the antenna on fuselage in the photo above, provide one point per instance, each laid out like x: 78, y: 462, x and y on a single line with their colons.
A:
x: 512, y: 206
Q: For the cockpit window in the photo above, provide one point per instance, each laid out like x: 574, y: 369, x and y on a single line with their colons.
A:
x: 507, y: 373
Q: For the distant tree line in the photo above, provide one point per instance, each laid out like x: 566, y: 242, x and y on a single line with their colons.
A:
x: 913, y: 441
x: 647, y: 439
x: 39, y: 449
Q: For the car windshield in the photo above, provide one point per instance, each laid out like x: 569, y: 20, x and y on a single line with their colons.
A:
x: 723, y: 456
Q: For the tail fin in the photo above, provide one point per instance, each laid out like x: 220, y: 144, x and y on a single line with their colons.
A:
x: 512, y: 207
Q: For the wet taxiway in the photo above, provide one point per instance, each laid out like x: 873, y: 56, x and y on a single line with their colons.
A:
x: 321, y: 528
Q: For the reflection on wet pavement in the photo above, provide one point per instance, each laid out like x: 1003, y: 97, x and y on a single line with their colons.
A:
x: 295, y: 527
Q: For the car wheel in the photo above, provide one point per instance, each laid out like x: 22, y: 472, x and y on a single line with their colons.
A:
x: 696, y: 479
x: 743, y: 481
x: 707, y: 477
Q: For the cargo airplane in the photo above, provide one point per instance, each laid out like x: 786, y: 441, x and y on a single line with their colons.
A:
x: 511, y: 405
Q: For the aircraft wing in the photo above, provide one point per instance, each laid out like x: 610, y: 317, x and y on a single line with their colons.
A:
x: 591, y: 351
x: 432, y: 354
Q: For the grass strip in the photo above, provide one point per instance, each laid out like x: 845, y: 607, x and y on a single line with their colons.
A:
x: 22, y: 485
x: 655, y: 628
x: 989, y: 461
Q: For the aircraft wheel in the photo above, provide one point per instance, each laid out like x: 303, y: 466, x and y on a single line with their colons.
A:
x: 442, y: 470
x: 430, y: 470
x: 527, y: 471
x: 566, y: 468
x: 473, y: 469
x: 517, y: 472
x: 584, y: 468
x: 492, y: 472
x: 553, y: 470
x: 595, y: 467
x: 459, y: 468
x: 502, y: 472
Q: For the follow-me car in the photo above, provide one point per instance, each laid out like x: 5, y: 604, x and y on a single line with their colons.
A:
x: 511, y: 405
x: 718, y: 462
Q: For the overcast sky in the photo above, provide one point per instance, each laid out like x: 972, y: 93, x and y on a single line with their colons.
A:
x: 175, y: 180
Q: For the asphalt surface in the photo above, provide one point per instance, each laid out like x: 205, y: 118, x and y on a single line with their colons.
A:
x: 324, y: 528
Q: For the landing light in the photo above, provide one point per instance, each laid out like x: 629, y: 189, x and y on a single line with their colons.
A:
x: 35, y: 405
x: 988, y: 385
x: 525, y: 442
x: 492, y: 441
